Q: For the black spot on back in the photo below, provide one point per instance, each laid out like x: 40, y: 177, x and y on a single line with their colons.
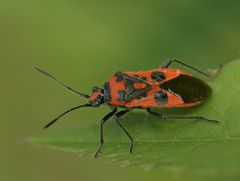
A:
x: 131, y: 92
x: 143, y: 78
x: 190, y: 89
x: 107, y: 92
x: 161, y: 97
x: 121, y: 94
x: 158, y: 76
x: 144, y: 95
x: 119, y: 76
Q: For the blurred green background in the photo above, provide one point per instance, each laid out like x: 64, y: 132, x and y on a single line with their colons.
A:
x: 83, y: 43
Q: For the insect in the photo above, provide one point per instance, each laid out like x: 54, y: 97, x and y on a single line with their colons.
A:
x: 162, y: 87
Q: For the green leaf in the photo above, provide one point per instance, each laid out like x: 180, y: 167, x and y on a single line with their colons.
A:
x: 178, y: 145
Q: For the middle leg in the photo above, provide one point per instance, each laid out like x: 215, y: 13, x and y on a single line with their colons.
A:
x: 106, y: 118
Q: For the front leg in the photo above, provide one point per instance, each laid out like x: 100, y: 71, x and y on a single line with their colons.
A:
x: 104, y: 120
x: 118, y: 115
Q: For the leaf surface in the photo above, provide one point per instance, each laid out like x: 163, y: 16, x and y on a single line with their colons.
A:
x: 192, y: 145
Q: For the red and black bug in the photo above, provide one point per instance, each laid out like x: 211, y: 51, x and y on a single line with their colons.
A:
x: 162, y: 87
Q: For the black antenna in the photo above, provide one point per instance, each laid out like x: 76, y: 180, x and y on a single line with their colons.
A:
x: 64, y: 85
x: 72, y: 109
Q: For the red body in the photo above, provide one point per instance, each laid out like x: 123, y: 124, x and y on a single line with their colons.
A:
x: 176, y: 87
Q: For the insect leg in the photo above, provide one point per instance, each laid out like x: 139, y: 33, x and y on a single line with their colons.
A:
x: 107, y: 117
x: 168, y: 62
x: 118, y: 115
x: 162, y: 116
